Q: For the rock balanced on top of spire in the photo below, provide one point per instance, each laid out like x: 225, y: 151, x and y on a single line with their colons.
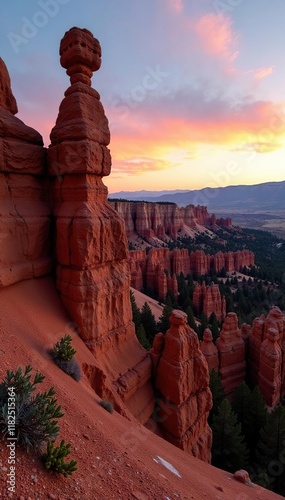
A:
x: 93, y: 278
x: 80, y: 55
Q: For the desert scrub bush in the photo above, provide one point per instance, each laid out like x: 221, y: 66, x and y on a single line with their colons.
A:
x: 53, y: 459
x: 63, y: 349
x: 35, y: 415
x: 63, y: 355
x: 107, y: 405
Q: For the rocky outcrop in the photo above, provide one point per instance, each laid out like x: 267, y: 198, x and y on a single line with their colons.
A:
x: 266, y: 355
x: 159, y: 222
x: 209, y: 350
x: 208, y: 299
x: 270, y: 367
x: 230, y: 344
x: 146, y: 268
x: 91, y: 246
x: 182, y: 379
x: 25, y: 214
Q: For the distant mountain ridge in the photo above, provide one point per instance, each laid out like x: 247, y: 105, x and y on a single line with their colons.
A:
x: 265, y: 196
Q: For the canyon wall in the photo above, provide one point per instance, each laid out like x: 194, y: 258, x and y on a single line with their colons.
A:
x: 163, y: 221
x: 25, y: 213
x: 147, y: 268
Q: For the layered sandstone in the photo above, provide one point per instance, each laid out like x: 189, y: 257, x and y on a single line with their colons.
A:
x: 266, y: 355
x: 146, y: 268
x: 25, y: 213
x: 182, y: 379
x: 230, y: 344
x: 91, y: 246
x: 270, y: 367
x: 208, y: 299
x: 156, y: 222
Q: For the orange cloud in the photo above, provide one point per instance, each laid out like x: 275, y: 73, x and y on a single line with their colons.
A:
x: 217, y: 37
x: 263, y: 73
x: 172, y: 140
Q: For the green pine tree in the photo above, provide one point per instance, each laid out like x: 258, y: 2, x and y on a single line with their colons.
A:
x: 240, y: 404
x: 256, y: 419
x: 218, y: 393
x: 229, y: 450
x: 142, y: 338
x: 148, y: 322
x: 135, y: 311
x: 270, y: 449
x: 203, y: 325
x: 214, y: 326
x: 191, y: 318
x: 164, y: 323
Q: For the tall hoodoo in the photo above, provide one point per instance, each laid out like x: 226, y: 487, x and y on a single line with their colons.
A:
x: 230, y: 344
x: 182, y: 379
x: 24, y: 209
x: 91, y: 247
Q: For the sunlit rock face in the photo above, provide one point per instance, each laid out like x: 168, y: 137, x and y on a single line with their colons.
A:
x: 92, y: 269
x: 24, y: 209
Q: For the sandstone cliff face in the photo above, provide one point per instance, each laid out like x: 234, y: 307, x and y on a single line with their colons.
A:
x: 91, y: 246
x: 182, y: 379
x: 163, y: 221
x: 25, y: 213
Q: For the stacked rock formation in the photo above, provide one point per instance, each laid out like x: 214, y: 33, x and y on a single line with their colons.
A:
x: 91, y: 246
x: 182, y: 379
x: 230, y: 344
x: 25, y: 213
x: 209, y: 350
x: 209, y: 300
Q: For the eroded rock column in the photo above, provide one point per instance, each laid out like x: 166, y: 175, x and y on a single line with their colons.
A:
x: 230, y: 344
x: 182, y: 379
x: 91, y: 246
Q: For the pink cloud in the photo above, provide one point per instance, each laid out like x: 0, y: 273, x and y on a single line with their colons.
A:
x: 263, y: 73
x: 176, y: 5
x: 217, y: 36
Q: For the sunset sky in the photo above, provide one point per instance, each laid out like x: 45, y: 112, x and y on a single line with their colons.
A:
x: 194, y: 90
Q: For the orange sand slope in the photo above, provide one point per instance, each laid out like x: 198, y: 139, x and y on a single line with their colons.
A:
x: 117, y: 459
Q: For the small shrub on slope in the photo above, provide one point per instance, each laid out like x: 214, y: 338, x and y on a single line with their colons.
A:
x: 63, y: 349
x: 107, y: 405
x: 35, y: 416
x: 62, y: 354
x: 53, y: 459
